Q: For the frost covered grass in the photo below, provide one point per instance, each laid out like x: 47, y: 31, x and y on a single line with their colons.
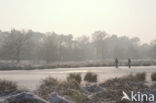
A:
x: 73, y: 64
x: 113, y: 87
x: 47, y: 86
x: 127, y: 83
x: 7, y: 87
x: 72, y: 89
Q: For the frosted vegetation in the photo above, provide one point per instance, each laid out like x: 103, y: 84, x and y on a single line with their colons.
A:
x: 36, y: 47
x: 73, y: 90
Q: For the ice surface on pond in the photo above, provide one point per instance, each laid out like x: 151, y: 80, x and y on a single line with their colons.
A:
x: 31, y: 78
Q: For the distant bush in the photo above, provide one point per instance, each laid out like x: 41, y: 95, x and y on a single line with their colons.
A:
x: 74, y: 77
x: 141, y: 76
x: 47, y: 86
x: 7, y: 87
x: 153, y: 76
x: 90, y: 77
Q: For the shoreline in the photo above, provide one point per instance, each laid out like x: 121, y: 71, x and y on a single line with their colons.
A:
x: 51, y: 67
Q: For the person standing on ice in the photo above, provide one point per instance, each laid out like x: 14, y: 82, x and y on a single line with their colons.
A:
x: 129, y: 62
x: 116, y: 62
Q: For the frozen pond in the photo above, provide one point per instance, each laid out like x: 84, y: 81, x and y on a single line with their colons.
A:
x: 31, y: 78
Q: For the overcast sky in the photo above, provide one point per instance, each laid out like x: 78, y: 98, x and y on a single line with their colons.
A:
x: 81, y: 17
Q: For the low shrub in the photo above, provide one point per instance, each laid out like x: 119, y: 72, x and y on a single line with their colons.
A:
x: 7, y: 87
x: 116, y: 86
x: 74, y: 77
x: 47, y: 86
x: 153, y: 86
x: 141, y: 76
x: 153, y: 76
x: 69, y: 88
x: 77, y: 96
x: 73, y: 90
x: 90, y: 77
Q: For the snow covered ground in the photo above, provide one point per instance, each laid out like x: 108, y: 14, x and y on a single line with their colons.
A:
x: 31, y: 78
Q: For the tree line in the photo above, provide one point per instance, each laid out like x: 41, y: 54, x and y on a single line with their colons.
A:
x: 52, y: 47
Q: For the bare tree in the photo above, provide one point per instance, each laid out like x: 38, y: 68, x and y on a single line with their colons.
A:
x: 98, y: 40
x: 14, y: 44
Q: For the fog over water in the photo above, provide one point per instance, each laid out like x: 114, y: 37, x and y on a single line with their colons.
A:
x: 78, y: 17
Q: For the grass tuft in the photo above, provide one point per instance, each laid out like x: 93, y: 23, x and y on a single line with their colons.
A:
x: 74, y: 77
x: 141, y: 76
x: 153, y: 76
x: 47, y: 86
x: 90, y: 77
x: 7, y: 87
x: 73, y: 90
x: 153, y: 86
x: 127, y: 83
